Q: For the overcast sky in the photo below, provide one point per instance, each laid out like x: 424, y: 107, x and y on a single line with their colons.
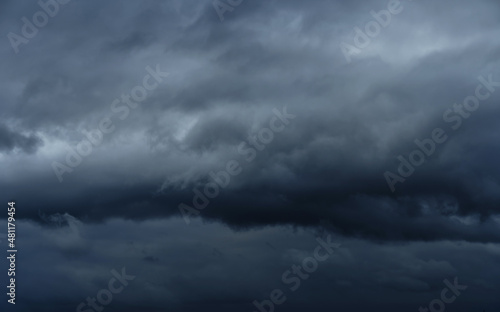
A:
x: 285, y: 121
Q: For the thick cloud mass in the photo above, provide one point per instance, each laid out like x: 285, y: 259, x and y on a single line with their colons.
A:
x: 327, y: 166
x: 10, y: 141
x: 353, y: 121
x: 208, y: 267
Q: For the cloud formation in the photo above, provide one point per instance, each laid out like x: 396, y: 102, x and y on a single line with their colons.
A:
x: 353, y: 120
x: 324, y: 172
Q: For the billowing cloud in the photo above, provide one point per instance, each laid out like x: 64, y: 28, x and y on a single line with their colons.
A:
x: 117, y: 115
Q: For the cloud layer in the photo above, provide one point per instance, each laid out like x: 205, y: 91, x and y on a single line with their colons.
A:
x: 323, y: 173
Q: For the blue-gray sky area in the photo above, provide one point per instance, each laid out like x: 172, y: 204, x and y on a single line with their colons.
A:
x: 251, y: 155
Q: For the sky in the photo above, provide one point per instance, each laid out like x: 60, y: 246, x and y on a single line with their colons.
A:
x: 251, y: 155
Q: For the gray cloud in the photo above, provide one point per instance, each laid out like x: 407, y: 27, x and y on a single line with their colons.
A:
x: 324, y: 172
x: 11, y: 140
x: 176, y: 267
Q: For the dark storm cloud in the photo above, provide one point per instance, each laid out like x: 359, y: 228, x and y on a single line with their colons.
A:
x: 208, y: 267
x: 321, y: 175
x: 11, y: 140
x: 325, y: 169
